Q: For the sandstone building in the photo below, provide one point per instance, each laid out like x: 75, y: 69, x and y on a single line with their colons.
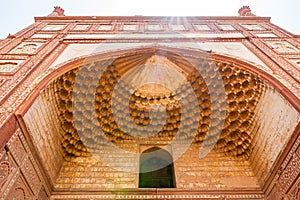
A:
x: 150, y: 108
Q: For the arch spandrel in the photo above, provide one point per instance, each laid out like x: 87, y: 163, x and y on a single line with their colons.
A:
x: 54, y: 72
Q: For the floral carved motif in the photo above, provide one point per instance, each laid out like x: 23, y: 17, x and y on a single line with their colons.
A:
x: 245, y: 11
x: 7, y: 66
x: 282, y: 46
x: 19, y: 191
x: 17, y: 97
x: 5, y: 168
x: 26, y: 48
x: 31, y: 176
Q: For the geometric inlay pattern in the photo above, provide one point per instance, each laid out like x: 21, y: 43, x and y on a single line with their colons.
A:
x: 253, y: 27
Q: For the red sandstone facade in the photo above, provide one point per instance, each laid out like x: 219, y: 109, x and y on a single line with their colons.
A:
x: 33, y: 58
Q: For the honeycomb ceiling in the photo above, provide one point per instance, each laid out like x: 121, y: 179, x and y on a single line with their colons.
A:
x: 138, y: 75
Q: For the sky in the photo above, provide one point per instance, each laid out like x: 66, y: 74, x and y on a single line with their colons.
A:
x: 18, y: 14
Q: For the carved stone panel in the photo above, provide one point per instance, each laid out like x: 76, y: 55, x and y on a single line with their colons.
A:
x: 5, y: 168
x: 283, y: 47
x: 19, y: 191
x: 26, y: 48
x: 31, y: 176
x: 8, y: 66
x: 17, y: 149
x: 294, y: 194
x: 290, y: 174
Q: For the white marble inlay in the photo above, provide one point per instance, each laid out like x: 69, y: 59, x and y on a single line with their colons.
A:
x: 265, y: 35
x: 202, y: 27
x: 296, y: 61
x: 42, y: 35
x: 153, y: 27
x: 105, y: 27
x: 253, y: 27
x: 226, y: 27
x: 130, y: 27
x: 77, y: 50
x: 233, y: 49
x: 81, y: 27
x: 53, y: 27
x: 177, y: 27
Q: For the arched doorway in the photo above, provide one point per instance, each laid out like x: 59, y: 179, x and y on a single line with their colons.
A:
x: 156, y: 169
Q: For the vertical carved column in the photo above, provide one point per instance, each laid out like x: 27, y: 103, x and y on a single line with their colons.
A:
x: 287, y: 186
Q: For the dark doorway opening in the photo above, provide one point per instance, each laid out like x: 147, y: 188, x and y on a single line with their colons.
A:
x: 156, y: 169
